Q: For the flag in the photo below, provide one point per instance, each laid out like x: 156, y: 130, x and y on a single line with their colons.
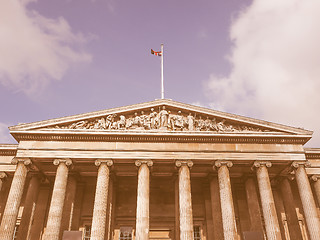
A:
x: 156, y: 53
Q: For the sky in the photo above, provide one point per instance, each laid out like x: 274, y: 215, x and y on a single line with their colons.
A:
x: 255, y: 58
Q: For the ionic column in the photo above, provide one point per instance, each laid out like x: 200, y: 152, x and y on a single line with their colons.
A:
x: 14, y: 199
x: 216, y: 208
x: 69, y: 204
x: 227, y: 209
x: 308, y: 203
x: 254, y: 207
x: 29, y: 207
x: 57, y: 199
x: 185, y: 201
x: 290, y: 209
x: 142, y: 216
x: 101, y: 200
x: 267, y: 201
x: 316, y: 185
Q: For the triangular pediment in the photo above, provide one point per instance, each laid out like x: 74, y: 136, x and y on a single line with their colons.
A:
x: 160, y: 116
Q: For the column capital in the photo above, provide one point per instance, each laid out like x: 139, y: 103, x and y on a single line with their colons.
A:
x: 187, y: 163
x: 220, y: 163
x: 3, y: 175
x: 26, y: 161
x: 67, y: 161
x: 315, y: 177
x: 138, y: 163
x: 98, y: 162
x: 298, y: 164
x: 258, y: 164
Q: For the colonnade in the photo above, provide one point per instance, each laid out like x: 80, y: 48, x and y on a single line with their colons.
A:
x: 272, y: 227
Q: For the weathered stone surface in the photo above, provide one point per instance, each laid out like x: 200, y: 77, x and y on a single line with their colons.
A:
x: 254, y: 207
x: 216, y: 208
x: 227, y: 208
x: 69, y: 205
x: 101, y: 200
x: 185, y: 201
x: 267, y: 201
x: 29, y: 208
x: 308, y: 203
x: 180, y: 132
x: 10, y: 214
x: 143, y: 202
x: 289, y: 206
x: 316, y: 185
x: 57, y: 201
x: 40, y: 213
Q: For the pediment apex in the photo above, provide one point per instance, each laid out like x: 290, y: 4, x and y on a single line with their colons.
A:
x: 160, y: 115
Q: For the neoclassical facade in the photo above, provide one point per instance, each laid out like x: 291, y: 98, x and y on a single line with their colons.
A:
x: 159, y: 170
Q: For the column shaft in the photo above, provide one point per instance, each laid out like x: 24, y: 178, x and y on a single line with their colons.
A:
x: 208, y: 209
x: 29, y: 208
x: 316, y: 186
x: 40, y: 213
x: 110, y: 209
x: 290, y: 209
x: 308, y: 203
x: 69, y: 204
x: 4, y: 192
x: 254, y: 209
x: 13, y: 202
x: 142, y: 216
x: 227, y: 208
x: 267, y: 202
x: 100, y: 203
x: 176, y: 208
x: 216, y: 208
x: 77, y: 206
x: 57, y: 202
x: 185, y: 204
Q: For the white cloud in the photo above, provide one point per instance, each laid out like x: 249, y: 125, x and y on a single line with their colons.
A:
x: 4, y: 134
x: 35, y: 49
x: 275, y: 64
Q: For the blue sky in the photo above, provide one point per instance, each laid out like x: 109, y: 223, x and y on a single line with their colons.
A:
x: 66, y: 57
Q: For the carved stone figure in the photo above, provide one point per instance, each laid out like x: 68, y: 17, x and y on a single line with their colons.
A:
x: 190, y: 120
x: 154, y: 120
x: 78, y: 125
x: 200, y: 124
x: 136, y: 121
x: 164, y: 120
x: 178, y: 121
x: 122, y: 122
x: 109, y: 121
x: 207, y: 124
x: 164, y: 115
x: 221, y: 127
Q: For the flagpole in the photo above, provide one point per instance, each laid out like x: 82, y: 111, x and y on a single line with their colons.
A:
x: 162, y: 85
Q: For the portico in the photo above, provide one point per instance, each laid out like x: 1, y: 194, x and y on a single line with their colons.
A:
x: 195, y: 177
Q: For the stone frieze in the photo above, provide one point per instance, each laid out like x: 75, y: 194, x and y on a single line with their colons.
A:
x: 163, y: 120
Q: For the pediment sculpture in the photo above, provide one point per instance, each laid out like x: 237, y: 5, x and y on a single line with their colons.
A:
x: 163, y: 120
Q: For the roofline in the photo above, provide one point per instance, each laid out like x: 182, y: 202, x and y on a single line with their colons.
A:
x: 204, y: 110
x: 8, y: 149
x: 312, y: 153
x: 158, y: 136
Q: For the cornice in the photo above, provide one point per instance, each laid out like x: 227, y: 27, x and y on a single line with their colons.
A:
x: 8, y: 149
x: 312, y: 153
x: 128, y: 136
